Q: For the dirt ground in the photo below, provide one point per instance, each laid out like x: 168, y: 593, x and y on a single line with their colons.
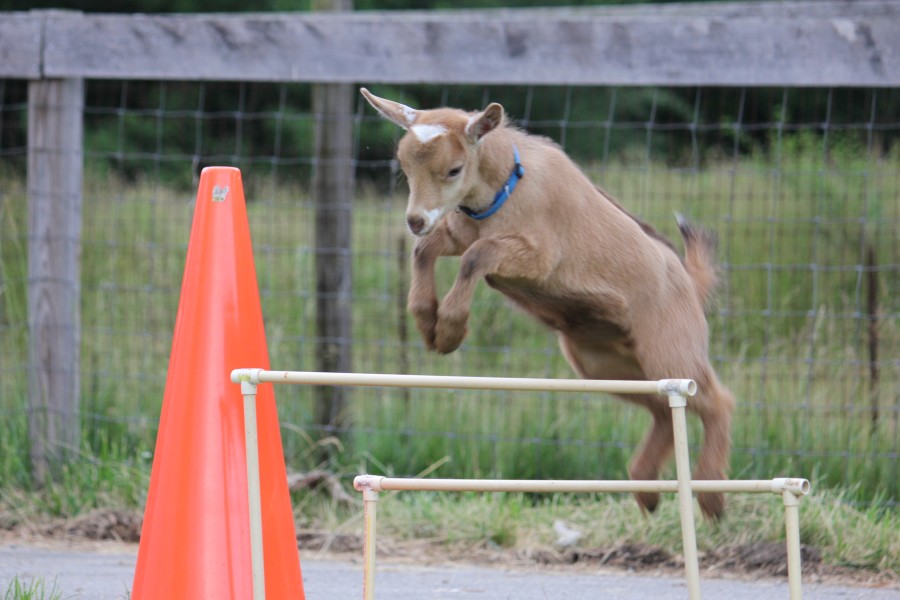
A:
x: 113, y: 530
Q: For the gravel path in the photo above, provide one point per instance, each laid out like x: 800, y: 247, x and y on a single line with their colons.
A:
x: 100, y: 574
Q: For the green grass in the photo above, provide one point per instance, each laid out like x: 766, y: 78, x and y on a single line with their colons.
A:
x: 35, y: 589
x: 786, y: 337
x: 462, y: 524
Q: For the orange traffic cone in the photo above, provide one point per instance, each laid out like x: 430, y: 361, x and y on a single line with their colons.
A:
x: 195, y: 541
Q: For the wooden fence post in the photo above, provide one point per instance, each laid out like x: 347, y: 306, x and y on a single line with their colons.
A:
x: 55, y: 163
x: 333, y: 188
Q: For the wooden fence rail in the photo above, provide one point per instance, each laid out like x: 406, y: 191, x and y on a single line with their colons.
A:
x: 793, y: 44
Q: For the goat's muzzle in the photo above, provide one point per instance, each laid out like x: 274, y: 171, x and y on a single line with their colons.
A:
x: 416, y: 224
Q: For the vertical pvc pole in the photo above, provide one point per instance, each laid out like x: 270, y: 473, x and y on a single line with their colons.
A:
x: 792, y: 535
x: 370, y: 505
x: 678, y: 403
x: 253, y: 492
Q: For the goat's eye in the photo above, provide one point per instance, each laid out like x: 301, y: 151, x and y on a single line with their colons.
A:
x: 455, y: 171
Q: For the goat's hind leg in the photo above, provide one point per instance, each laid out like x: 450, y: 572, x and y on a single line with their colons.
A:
x: 714, y: 404
x: 655, y: 449
x: 658, y: 444
x: 591, y: 362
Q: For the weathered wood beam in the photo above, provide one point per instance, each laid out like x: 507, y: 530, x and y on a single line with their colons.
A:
x: 733, y: 44
x: 20, y: 45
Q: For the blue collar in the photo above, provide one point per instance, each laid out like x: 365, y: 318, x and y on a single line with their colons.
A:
x: 502, y: 195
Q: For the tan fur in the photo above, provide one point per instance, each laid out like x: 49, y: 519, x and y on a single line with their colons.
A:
x: 624, y: 304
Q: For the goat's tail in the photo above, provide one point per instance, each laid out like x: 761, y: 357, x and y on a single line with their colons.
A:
x: 700, y: 257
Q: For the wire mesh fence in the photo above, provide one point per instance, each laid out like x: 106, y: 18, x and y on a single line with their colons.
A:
x: 802, y: 186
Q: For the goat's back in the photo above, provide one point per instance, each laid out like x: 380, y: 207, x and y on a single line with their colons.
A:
x: 601, y: 274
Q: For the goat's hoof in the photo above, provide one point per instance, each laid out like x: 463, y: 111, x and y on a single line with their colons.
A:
x: 648, y: 501
x: 427, y: 337
x: 446, y: 347
x: 426, y: 329
x: 450, y: 330
x: 448, y: 339
x: 712, y: 504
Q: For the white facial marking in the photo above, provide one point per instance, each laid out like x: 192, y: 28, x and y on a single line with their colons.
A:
x: 431, y: 217
x: 426, y: 133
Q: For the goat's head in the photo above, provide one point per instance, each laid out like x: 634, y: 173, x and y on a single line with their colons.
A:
x: 438, y: 155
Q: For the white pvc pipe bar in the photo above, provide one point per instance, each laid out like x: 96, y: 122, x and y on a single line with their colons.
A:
x: 254, y: 500
x: 792, y: 536
x: 370, y: 504
x: 250, y: 378
x: 791, y: 489
x: 678, y: 403
x: 676, y: 389
x: 686, y: 387
x: 778, y: 486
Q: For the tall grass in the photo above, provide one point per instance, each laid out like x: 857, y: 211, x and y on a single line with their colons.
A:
x: 789, y: 332
x: 34, y: 589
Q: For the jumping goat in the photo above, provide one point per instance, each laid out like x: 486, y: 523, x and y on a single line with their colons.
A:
x: 523, y: 217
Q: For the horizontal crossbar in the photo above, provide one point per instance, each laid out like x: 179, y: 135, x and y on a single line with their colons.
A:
x: 376, y: 483
x: 685, y: 387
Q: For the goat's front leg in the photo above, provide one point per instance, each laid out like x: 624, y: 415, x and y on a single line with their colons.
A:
x: 510, y: 257
x: 422, y: 301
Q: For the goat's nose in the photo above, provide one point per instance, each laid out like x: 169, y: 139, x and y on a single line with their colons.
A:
x: 416, y: 224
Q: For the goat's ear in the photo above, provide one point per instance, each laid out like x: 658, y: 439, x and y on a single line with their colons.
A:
x: 484, y: 122
x: 400, y: 114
